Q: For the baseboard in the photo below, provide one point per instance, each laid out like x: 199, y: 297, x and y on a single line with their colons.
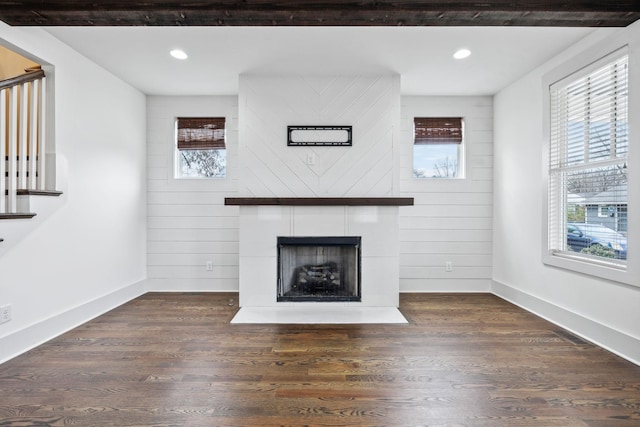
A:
x: 34, y: 335
x: 608, y: 338
x: 191, y: 285
x: 448, y: 285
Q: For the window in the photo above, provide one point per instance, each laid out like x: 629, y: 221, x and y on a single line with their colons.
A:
x: 587, y: 197
x: 606, y: 211
x: 438, y: 147
x: 200, y: 147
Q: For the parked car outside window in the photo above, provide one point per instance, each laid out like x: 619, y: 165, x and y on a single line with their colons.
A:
x: 581, y: 236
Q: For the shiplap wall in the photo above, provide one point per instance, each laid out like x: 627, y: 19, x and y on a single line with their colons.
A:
x: 452, y: 218
x: 268, y: 104
x: 187, y: 222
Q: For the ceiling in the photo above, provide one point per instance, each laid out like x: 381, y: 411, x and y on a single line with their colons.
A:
x: 422, y: 56
x: 412, y: 38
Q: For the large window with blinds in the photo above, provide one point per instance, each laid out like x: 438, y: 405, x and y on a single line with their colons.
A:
x: 438, y: 147
x: 587, y: 192
x: 200, y: 147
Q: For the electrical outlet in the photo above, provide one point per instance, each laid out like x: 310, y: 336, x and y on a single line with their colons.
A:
x: 209, y: 265
x: 448, y: 266
x: 5, y: 313
x: 311, y: 159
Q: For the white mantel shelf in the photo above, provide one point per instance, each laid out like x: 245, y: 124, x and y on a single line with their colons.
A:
x: 318, y: 201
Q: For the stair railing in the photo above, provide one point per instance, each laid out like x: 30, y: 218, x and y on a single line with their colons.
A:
x: 22, y: 137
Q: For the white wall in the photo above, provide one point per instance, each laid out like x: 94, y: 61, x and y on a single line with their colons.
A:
x: 606, y: 312
x: 452, y: 218
x: 188, y: 223
x: 88, y: 255
x: 268, y: 104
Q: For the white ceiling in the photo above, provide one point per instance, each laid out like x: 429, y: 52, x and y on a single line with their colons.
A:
x: 218, y: 55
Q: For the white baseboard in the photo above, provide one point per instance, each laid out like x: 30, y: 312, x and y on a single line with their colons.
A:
x: 32, y: 336
x: 444, y: 286
x: 191, y: 285
x: 608, y: 338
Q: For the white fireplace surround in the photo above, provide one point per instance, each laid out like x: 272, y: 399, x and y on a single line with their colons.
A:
x: 260, y: 226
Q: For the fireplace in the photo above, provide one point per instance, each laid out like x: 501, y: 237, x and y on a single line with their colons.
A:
x: 322, y: 269
x: 263, y: 220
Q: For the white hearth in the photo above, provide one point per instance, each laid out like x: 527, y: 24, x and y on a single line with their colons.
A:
x: 316, y: 314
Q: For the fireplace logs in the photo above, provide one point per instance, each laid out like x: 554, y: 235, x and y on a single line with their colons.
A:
x: 320, y: 269
x: 322, y: 278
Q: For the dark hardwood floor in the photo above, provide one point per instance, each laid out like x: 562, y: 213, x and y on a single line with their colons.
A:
x: 463, y: 360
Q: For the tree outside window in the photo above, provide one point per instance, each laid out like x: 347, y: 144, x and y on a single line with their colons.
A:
x: 437, y: 148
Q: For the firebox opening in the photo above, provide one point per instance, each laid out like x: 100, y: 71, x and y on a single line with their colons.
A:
x: 319, y: 268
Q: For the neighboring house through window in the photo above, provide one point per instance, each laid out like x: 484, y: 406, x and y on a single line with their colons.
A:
x: 200, y: 147
x: 438, y: 147
x: 587, y: 204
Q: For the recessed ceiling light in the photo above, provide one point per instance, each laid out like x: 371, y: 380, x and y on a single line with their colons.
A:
x: 462, y: 53
x: 179, y: 54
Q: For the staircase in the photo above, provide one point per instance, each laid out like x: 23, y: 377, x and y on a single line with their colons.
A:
x: 23, y: 145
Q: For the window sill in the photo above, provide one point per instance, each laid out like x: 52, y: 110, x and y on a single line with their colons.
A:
x: 604, y: 270
x: 415, y: 178
x: 199, y: 178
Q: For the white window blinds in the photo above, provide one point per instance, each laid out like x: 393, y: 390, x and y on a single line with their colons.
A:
x: 588, y: 162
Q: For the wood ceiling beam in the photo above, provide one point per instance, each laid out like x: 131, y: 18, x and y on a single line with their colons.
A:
x: 568, y: 13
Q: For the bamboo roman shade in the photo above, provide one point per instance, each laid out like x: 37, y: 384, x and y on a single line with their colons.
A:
x: 200, y: 133
x: 437, y: 130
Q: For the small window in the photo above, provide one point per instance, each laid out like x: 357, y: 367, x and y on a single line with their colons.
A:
x: 438, y: 147
x: 606, y: 211
x: 200, y: 147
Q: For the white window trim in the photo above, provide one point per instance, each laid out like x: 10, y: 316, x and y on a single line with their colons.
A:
x: 586, y: 62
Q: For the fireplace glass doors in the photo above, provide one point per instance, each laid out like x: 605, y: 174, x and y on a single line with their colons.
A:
x: 319, y: 269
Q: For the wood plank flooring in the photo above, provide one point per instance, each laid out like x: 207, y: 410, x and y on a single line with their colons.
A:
x: 463, y: 360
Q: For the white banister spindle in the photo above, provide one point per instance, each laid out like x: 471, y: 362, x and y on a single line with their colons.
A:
x: 3, y: 150
x: 23, y: 122
x: 42, y: 139
x: 12, y: 118
x: 33, y: 134
x: 22, y: 139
